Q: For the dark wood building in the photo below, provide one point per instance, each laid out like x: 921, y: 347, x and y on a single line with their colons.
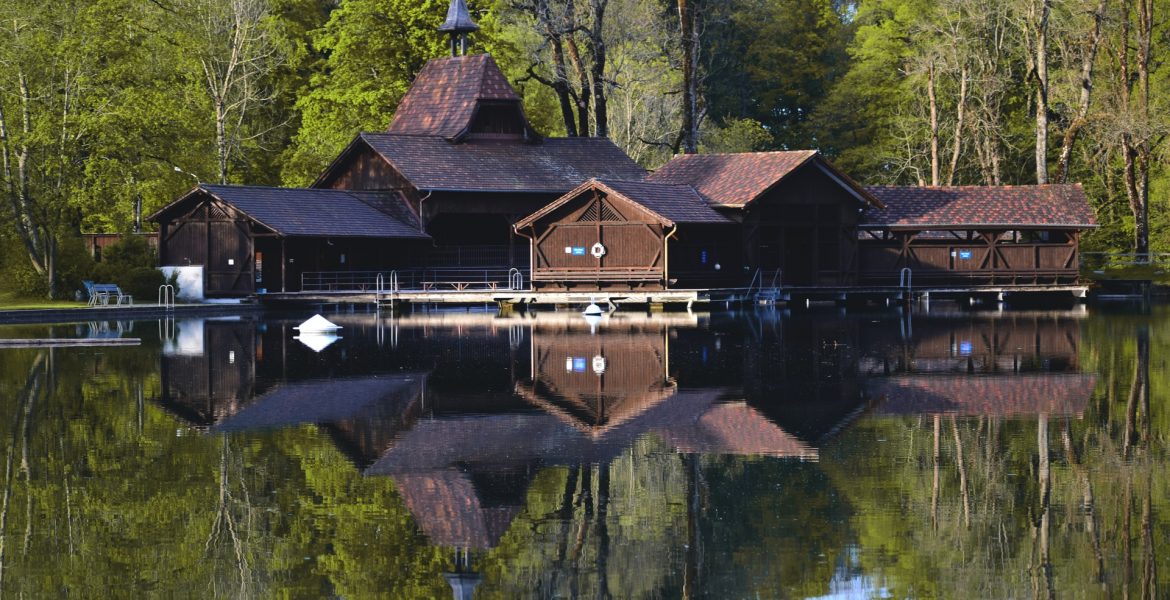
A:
x: 972, y: 235
x: 463, y: 156
x: 797, y: 212
x: 629, y: 234
x: 251, y: 238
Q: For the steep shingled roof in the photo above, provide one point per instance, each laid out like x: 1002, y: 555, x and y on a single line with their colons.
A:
x: 1053, y: 206
x: 736, y: 180
x: 669, y: 202
x: 555, y: 165
x: 443, y: 98
x: 315, y: 212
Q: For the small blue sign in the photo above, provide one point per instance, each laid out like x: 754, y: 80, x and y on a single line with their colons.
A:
x: 578, y: 365
x: 964, y: 255
x: 578, y: 250
x: 965, y: 348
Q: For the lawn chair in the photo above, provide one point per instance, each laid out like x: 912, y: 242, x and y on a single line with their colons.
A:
x: 104, y: 292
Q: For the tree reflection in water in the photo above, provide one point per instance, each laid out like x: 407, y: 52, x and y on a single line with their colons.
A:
x: 669, y: 456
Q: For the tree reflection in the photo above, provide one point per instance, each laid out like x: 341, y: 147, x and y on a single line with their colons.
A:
x: 777, y: 457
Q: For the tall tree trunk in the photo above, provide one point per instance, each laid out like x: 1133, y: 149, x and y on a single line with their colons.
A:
x: 689, y: 36
x: 561, y: 86
x: 221, y: 141
x: 1135, y: 146
x: 584, y: 94
x: 560, y: 82
x: 597, y: 41
x: 961, y: 113
x: 1082, y: 114
x: 1042, y: 93
x: 932, y: 97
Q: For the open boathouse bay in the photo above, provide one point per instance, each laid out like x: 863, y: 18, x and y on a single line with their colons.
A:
x: 470, y: 455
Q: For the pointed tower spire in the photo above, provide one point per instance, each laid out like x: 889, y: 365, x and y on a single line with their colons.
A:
x: 458, y: 25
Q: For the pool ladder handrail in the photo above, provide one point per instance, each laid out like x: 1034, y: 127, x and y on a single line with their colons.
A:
x: 166, y: 297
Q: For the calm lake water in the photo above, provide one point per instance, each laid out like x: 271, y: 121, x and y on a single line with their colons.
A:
x: 466, y: 455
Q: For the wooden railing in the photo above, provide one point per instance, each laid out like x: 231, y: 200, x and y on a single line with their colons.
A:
x: 971, y: 263
x: 413, y: 280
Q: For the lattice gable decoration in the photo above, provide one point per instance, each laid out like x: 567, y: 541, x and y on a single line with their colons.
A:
x: 601, y: 209
x: 210, y: 208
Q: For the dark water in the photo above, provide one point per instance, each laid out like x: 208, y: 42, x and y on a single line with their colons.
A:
x: 752, y: 455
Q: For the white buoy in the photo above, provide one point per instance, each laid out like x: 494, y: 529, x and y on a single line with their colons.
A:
x: 594, y: 309
x: 317, y: 324
x: 593, y: 321
x: 317, y: 341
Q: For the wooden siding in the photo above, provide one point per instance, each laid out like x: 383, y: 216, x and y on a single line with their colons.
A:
x: 969, y: 258
x: 805, y: 228
x: 633, y: 241
x: 364, y: 169
x: 218, y: 238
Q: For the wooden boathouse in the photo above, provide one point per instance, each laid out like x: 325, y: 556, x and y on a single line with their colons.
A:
x: 629, y: 235
x: 460, y: 198
x: 250, y: 238
x: 976, y: 235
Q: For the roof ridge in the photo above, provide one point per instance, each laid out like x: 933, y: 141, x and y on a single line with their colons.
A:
x: 754, y: 153
x: 270, y: 187
x: 975, y: 186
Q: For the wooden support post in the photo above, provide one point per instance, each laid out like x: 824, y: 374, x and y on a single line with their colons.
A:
x: 283, y: 265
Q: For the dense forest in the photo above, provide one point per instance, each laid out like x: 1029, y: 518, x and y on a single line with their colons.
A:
x: 110, y: 109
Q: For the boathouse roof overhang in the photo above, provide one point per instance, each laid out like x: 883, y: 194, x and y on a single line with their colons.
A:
x: 669, y: 204
x: 980, y: 208
x: 301, y: 212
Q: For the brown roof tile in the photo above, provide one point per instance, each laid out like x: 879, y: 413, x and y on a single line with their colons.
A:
x: 679, y: 203
x: 315, y: 212
x: 442, y: 99
x: 731, y: 179
x: 669, y: 202
x: 554, y: 165
x: 973, y: 206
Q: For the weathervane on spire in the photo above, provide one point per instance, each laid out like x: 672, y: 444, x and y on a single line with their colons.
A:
x: 458, y: 25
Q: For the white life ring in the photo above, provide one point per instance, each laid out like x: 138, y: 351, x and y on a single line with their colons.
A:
x: 597, y: 250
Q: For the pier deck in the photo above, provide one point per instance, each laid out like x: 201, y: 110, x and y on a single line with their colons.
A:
x: 682, y: 297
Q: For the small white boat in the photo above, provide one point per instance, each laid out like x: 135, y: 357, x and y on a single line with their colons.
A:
x: 317, y: 324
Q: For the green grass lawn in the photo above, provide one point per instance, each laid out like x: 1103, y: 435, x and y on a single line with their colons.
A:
x: 10, y: 301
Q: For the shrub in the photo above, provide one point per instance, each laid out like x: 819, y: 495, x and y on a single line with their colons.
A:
x: 130, y: 263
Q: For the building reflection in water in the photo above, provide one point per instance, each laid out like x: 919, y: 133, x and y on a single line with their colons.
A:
x: 462, y: 411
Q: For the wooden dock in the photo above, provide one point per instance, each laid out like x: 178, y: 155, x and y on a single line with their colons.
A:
x: 682, y: 298
x: 69, y: 342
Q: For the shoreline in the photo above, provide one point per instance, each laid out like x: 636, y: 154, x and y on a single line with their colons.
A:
x: 106, y: 313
